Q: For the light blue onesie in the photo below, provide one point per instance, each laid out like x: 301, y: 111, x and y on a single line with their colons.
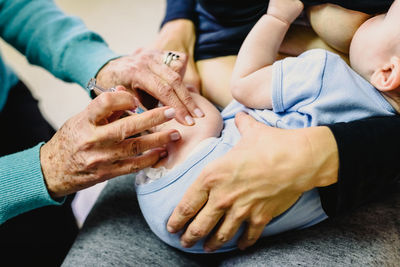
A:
x: 316, y: 88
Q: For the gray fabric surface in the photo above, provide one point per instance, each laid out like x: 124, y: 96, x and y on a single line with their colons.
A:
x: 115, y: 234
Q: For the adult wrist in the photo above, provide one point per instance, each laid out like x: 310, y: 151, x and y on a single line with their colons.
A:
x: 176, y: 34
x: 45, y: 165
x: 324, y: 156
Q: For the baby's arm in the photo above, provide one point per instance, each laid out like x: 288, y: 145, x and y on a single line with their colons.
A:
x: 251, y: 78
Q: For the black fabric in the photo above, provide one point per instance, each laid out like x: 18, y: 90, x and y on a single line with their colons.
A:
x: 41, y: 237
x: 366, y: 6
x: 239, y: 10
x: 180, y: 9
x: 369, y: 163
x: 235, y: 12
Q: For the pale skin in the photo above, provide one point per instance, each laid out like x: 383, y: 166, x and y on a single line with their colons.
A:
x: 380, y: 63
x: 208, y: 199
x: 252, y: 75
x: 205, y: 127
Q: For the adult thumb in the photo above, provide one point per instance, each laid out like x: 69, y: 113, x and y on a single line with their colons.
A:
x: 244, y: 122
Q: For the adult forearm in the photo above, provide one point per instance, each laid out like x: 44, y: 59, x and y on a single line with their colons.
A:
x: 325, y: 157
x: 61, y: 44
x: 368, y: 152
x: 22, y: 186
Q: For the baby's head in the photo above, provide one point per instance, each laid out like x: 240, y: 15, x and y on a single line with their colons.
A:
x: 208, y: 126
x: 375, y: 52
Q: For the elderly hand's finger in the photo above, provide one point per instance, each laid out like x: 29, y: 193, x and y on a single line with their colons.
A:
x: 201, y: 226
x: 135, y: 164
x: 178, y: 65
x: 226, y: 231
x: 193, y: 200
x: 253, y: 232
x: 134, y: 146
x: 105, y: 104
x: 166, y: 94
x: 131, y: 125
x: 179, y: 89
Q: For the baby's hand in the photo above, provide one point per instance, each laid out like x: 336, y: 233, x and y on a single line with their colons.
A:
x: 285, y: 10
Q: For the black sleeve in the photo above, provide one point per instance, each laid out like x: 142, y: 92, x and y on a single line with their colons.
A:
x: 180, y: 9
x: 369, y: 163
x: 366, y: 6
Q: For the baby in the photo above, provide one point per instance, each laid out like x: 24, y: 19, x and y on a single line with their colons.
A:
x: 316, y: 88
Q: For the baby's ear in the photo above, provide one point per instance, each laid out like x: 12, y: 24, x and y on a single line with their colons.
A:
x: 387, y: 78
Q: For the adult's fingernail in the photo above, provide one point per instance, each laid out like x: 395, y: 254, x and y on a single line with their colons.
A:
x: 137, y: 102
x: 242, y: 247
x: 208, y: 250
x: 189, y: 120
x: 175, y: 136
x: 163, y: 154
x: 169, y: 113
x: 171, y: 229
x: 198, y: 113
x: 185, y: 244
x: 191, y: 88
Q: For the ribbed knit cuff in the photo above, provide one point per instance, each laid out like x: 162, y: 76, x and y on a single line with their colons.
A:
x: 22, y: 186
x: 85, y: 58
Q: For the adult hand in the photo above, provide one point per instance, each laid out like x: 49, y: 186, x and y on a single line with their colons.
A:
x: 145, y: 70
x: 89, y: 149
x: 260, y: 178
x: 180, y: 35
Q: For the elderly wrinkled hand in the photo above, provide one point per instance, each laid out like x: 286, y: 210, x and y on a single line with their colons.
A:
x: 260, y: 178
x: 146, y: 71
x: 94, y: 145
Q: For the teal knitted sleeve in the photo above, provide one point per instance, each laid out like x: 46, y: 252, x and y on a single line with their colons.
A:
x: 48, y: 38
x: 65, y: 47
x: 22, y: 186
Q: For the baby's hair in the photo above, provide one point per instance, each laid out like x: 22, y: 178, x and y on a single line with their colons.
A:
x: 396, y: 96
